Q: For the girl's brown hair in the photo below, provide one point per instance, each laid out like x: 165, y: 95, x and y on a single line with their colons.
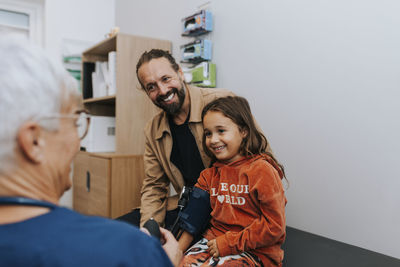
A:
x: 238, y: 110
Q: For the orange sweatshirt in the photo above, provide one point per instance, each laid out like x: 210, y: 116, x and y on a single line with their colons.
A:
x: 248, y: 207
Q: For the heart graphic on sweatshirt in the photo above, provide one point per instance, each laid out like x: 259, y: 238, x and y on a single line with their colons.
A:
x: 220, y: 198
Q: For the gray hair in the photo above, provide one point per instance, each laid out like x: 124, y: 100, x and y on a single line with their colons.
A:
x: 31, y: 86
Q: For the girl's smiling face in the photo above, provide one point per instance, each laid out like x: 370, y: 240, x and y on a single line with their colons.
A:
x: 222, y: 136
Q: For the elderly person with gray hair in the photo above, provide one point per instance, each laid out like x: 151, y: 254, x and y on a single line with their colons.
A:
x: 40, y: 113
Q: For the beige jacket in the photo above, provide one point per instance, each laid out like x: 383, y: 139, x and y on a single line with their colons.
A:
x: 160, y: 172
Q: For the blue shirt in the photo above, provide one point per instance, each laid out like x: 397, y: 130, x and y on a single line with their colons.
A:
x: 65, y: 238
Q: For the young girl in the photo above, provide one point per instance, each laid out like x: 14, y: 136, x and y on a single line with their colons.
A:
x: 247, y: 226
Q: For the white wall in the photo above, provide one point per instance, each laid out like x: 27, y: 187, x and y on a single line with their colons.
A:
x: 323, y: 81
x: 78, y: 20
x: 85, y: 20
x: 156, y: 18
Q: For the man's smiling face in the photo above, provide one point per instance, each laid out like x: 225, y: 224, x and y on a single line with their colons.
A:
x: 163, y: 85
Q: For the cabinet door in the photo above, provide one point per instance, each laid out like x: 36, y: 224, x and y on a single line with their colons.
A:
x: 80, y: 194
x: 92, y: 185
x: 99, y: 191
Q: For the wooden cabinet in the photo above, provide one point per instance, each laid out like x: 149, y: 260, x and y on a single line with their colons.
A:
x: 108, y: 184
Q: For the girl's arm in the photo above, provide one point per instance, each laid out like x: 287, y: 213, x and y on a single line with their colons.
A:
x: 269, y: 227
x: 185, y: 240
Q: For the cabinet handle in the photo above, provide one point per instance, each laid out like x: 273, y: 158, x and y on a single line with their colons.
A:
x: 88, y: 181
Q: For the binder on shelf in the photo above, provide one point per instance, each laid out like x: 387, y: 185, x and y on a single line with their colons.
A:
x: 202, y: 75
x: 112, y: 71
x: 99, y: 84
x: 104, y: 77
x: 88, y: 69
x: 197, y: 51
x: 197, y: 24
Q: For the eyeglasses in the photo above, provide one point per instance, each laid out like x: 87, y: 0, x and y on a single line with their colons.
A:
x: 82, y: 122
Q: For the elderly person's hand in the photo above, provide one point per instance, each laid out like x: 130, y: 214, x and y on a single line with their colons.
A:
x: 171, y: 246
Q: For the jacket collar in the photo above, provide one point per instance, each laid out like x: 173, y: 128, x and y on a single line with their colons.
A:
x: 196, y: 107
x: 196, y: 103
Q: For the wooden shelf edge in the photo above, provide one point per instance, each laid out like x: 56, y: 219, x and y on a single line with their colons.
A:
x: 109, y: 98
x: 99, y: 44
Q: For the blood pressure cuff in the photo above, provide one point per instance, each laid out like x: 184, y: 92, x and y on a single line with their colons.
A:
x: 196, y: 215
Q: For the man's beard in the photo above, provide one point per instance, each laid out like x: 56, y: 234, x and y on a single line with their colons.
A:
x: 173, y: 108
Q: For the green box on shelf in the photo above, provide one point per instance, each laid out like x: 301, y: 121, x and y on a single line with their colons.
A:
x: 204, y: 75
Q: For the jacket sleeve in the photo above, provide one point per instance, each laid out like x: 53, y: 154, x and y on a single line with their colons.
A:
x: 204, y: 179
x: 154, y: 189
x: 266, y: 189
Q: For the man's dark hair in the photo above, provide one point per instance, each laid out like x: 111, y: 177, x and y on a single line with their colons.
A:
x: 152, y: 54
